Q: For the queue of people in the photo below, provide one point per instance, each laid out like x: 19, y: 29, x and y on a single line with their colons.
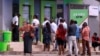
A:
x: 60, y: 35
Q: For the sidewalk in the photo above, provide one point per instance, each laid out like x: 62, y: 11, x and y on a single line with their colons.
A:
x: 16, y: 48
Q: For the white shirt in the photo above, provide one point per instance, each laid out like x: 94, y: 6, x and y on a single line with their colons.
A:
x: 15, y: 19
x: 54, y: 27
x: 36, y: 22
x: 44, y: 23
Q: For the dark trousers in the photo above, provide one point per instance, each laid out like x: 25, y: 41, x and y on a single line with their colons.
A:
x: 85, y: 45
x: 27, y: 43
x: 37, y: 34
x: 15, y: 33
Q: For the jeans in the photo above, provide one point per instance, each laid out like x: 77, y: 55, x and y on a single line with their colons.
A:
x: 72, y: 42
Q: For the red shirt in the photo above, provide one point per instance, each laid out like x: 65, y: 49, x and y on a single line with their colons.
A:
x: 94, y: 39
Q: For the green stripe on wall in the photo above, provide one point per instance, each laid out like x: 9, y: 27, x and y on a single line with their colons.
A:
x: 73, y: 1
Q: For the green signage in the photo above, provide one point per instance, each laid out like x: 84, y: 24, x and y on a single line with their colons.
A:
x: 80, y: 15
x: 73, y: 1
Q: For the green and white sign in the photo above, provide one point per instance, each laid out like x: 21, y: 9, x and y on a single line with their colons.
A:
x: 80, y: 15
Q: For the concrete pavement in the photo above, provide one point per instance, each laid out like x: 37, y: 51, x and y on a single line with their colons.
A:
x: 16, y: 48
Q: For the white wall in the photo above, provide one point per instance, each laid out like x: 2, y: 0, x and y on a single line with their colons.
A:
x: 91, y: 2
x: 7, y: 14
x: 94, y: 22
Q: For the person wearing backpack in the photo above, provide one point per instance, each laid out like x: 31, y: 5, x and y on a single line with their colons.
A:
x: 60, y: 37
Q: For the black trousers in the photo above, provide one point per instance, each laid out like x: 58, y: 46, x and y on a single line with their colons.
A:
x: 15, y: 33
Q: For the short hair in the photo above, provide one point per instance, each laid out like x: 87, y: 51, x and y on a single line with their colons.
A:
x: 84, y: 24
x: 75, y: 22
x: 61, y: 20
x: 95, y: 33
x: 35, y: 16
x: 72, y: 21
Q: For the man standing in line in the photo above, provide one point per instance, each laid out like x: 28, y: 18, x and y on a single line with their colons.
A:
x: 15, y: 28
x: 36, y: 23
x: 85, y: 39
x: 78, y: 36
x: 53, y: 33
x: 72, y: 38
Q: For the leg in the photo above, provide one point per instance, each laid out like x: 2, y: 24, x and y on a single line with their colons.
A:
x: 99, y: 46
x: 88, y: 48
x: 83, y: 46
x: 48, y: 47
x: 75, y: 46
x: 63, y: 49
x: 56, y: 44
x: 53, y: 40
x: 78, y: 44
x: 16, y: 34
x: 70, y: 45
x: 59, y: 49
x: 44, y: 47
x: 36, y: 35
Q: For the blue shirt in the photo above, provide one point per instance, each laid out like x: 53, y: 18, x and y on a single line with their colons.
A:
x: 77, y: 31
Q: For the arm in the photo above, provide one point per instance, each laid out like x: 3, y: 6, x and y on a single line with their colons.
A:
x: 93, y: 39
x: 21, y: 29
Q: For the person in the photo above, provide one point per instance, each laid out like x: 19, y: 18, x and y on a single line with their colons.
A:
x: 78, y: 35
x: 15, y: 26
x: 57, y: 19
x: 35, y: 23
x: 72, y: 38
x: 47, y: 36
x: 85, y: 39
x: 95, y: 41
x: 53, y: 32
x: 27, y: 37
x: 45, y: 21
x: 60, y: 37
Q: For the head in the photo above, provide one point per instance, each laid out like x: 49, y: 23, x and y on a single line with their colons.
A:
x: 45, y: 19
x: 61, y: 20
x: 17, y: 14
x: 84, y: 24
x: 72, y: 22
x: 58, y: 16
x: 35, y: 16
x: 75, y: 22
x: 95, y: 34
x: 25, y: 23
x: 48, y: 26
x: 51, y: 21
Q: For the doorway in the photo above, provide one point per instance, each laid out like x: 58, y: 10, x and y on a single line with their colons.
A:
x: 47, y: 12
x: 26, y: 13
